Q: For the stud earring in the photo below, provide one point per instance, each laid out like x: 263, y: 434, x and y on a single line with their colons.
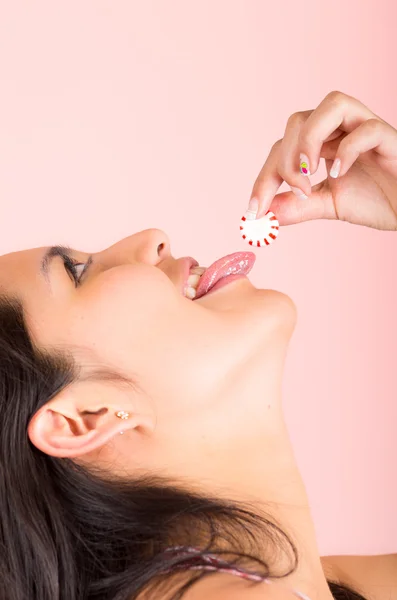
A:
x: 122, y: 414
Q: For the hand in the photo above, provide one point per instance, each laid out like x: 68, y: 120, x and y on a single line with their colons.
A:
x: 364, y: 192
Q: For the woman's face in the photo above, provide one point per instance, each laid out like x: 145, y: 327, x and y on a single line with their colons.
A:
x: 129, y: 312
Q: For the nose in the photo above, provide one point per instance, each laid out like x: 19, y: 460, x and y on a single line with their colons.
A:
x: 150, y: 246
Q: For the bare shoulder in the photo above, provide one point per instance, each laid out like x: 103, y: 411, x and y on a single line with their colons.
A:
x: 373, y: 576
x: 222, y: 586
x: 213, y: 586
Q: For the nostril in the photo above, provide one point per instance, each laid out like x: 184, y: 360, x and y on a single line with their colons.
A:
x: 160, y: 248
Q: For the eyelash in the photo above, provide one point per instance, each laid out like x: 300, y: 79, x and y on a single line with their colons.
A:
x: 70, y: 266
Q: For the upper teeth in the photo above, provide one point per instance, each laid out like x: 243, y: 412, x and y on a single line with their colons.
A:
x: 193, y: 281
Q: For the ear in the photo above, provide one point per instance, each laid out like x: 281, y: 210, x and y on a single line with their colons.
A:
x: 81, y: 418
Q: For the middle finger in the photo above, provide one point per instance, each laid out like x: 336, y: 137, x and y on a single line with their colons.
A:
x: 337, y: 111
x: 291, y: 149
x: 289, y: 152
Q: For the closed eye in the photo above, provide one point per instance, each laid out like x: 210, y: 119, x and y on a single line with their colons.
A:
x: 65, y: 252
x: 71, y: 267
x: 70, y: 264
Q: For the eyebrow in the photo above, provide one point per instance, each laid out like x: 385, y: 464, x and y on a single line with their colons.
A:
x: 65, y: 252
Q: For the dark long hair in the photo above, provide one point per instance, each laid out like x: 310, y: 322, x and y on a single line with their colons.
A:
x: 67, y: 533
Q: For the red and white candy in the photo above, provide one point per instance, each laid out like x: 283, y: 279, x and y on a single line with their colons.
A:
x: 259, y: 232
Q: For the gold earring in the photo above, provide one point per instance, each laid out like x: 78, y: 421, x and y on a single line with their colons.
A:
x: 122, y: 414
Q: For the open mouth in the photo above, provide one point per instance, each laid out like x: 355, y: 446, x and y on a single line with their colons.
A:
x: 202, y: 280
x: 193, y: 281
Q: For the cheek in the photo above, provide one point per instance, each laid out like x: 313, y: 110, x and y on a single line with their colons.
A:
x: 177, y: 353
x: 130, y: 310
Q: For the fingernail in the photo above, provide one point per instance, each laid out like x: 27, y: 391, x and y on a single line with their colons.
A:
x: 335, y: 169
x: 298, y: 192
x: 252, y: 209
x: 304, y: 165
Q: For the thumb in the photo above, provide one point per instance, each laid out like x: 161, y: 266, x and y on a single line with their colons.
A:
x: 290, y: 210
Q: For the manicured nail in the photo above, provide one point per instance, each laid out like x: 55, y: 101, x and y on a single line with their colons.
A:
x: 252, y: 209
x: 335, y: 169
x: 304, y: 165
x: 298, y: 192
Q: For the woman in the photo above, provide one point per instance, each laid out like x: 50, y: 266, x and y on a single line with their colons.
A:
x: 203, y: 480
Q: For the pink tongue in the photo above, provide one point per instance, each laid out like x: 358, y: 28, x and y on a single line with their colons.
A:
x: 232, y: 264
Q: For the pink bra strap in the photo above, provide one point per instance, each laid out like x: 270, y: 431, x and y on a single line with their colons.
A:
x: 214, y: 563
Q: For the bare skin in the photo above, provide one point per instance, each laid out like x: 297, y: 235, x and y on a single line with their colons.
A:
x: 226, y: 432
x: 208, y: 407
x: 375, y: 577
x: 207, y: 416
x: 360, y: 152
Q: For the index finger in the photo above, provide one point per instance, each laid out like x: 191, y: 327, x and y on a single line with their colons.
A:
x: 268, y: 180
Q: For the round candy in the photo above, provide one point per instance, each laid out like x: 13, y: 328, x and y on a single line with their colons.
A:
x: 259, y: 232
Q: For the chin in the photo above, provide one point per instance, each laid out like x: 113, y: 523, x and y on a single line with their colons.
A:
x: 257, y: 304
x: 276, y: 308
x: 277, y: 298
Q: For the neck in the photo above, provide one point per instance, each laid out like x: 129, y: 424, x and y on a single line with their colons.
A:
x: 237, y: 439
x: 251, y: 459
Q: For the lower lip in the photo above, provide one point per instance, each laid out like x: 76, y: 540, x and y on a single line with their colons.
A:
x: 222, y: 282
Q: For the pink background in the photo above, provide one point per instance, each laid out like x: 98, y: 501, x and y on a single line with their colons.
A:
x: 121, y: 116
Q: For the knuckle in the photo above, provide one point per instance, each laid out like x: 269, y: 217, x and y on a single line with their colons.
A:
x: 296, y: 119
x: 336, y: 97
x: 289, y: 175
x: 283, y: 172
x: 277, y: 145
x: 373, y: 124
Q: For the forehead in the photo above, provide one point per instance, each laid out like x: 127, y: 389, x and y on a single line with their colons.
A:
x: 20, y: 271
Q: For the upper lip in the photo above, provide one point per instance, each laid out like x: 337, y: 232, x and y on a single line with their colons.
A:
x: 186, y: 263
